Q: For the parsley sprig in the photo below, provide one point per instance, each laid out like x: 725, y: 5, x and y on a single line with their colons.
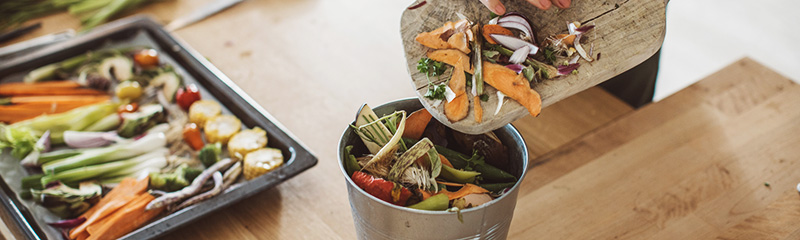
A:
x: 432, y: 68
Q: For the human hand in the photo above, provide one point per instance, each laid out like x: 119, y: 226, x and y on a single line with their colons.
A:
x: 497, y: 7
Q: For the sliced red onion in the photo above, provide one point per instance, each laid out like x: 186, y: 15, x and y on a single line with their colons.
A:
x: 518, y: 26
x: 500, y: 97
x: 580, y: 50
x: 42, y: 145
x: 515, y: 67
x: 449, y: 94
x: 514, y: 43
x: 520, y: 55
x: 494, y: 20
x: 572, y: 28
x: 79, y: 139
x: 584, y: 29
x: 44, y: 142
x: 520, y: 22
x: 564, y: 70
x: 417, y: 5
x: 68, y: 223
x: 574, y: 59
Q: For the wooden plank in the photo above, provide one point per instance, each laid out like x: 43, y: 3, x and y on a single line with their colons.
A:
x: 627, y: 33
x: 569, y: 119
x: 691, y: 165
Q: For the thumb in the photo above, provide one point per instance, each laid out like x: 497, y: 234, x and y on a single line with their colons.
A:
x: 495, y: 6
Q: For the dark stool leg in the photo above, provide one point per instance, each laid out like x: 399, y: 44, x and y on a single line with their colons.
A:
x: 637, y: 85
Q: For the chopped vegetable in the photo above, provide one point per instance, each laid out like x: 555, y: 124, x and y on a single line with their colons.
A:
x: 193, y: 136
x: 138, y: 122
x: 436, y: 39
x: 459, y: 176
x: 222, y: 128
x: 416, y: 123
x: 259, y: 162
x: 152, y: 161
x: 203, y: 110
x: 459, y: 41
x: 129, y: 90
x: 490, y: 29
x: 125, y: 219
x: 117, y: 67
x: 67, y: 202
x: 169, y: 81
x: 371, y: 129
x: 452, y: 57
x: 247, y: 141
x: 179, y: 178
x: 187, y: 95
x: 46, y: 88
x: 91, y: 156
x: 438, y: 202
x: 457, y: 109
x: 513, y: 85
x: 81, y: 139
x: 209, y: 155
x: 384, y: 190
x: 119, y: 196
x: 146, y: 58
x: 217, y: 189
x: 192, y: 189
x: 76, y: 119
x: 478, y: 109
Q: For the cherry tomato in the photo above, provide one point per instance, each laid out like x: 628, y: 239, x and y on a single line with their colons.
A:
x: 192, y: 136
x: 187, y: 95
x: 147, y: 58
x: 132, y: 107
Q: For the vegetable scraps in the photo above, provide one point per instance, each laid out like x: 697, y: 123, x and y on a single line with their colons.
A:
x: 406, y: 168
x: 508, y: 42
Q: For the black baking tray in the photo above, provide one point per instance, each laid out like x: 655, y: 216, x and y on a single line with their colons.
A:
x: 138, y: 31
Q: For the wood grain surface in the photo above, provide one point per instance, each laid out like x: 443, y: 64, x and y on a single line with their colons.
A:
x: 626, y: 33
x: 695, y: 165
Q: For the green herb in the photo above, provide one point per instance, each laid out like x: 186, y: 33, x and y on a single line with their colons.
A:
x: 490, y: 53
x: 469, y: 79
x: 493, y: 15
x: 430, y: 67
x: 766, y: 184
x: 529, y: 73
x: 435, y: 91
x: 549, y: 55
x: 484, y: 97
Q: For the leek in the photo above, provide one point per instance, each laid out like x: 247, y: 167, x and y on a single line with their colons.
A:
x: 148, y: 143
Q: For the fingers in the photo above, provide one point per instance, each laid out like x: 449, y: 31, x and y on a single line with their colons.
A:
x: 495, y: 6
x: 562, y: 3
x: 541, y: 4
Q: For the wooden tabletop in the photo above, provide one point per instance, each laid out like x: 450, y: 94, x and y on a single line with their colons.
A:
x: 691, y: 166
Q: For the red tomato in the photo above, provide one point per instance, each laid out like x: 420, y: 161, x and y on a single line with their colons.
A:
x: 187, y: 95
x: 147, y: 58
x: 381, y: 188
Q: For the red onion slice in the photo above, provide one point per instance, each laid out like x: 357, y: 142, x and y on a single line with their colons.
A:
x: 520, y: 55
x: 564, y: 70
x: 518, y: 26
x: 517, y: 19
x: 515, y: 67
x: 514, y: 43
x: 68, y: 223
x: 580, y: 50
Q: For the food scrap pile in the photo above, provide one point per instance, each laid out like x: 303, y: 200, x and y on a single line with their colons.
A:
x: 115, y: 138
x: 418, y: 163
x: 502, y: 53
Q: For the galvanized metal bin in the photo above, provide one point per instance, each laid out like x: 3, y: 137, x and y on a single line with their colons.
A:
x: 376, y: 219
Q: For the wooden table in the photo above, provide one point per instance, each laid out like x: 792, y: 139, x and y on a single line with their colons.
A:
x: 690, y: 166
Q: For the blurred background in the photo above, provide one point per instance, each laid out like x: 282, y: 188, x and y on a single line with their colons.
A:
x: 705, y: 35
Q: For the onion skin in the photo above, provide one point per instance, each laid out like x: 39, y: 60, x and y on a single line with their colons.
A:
x: 514, y: 43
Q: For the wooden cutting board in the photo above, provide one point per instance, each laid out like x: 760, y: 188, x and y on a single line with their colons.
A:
x: 626, y: 33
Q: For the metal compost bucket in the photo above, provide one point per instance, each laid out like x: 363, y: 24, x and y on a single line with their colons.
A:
x: 376, y: 219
